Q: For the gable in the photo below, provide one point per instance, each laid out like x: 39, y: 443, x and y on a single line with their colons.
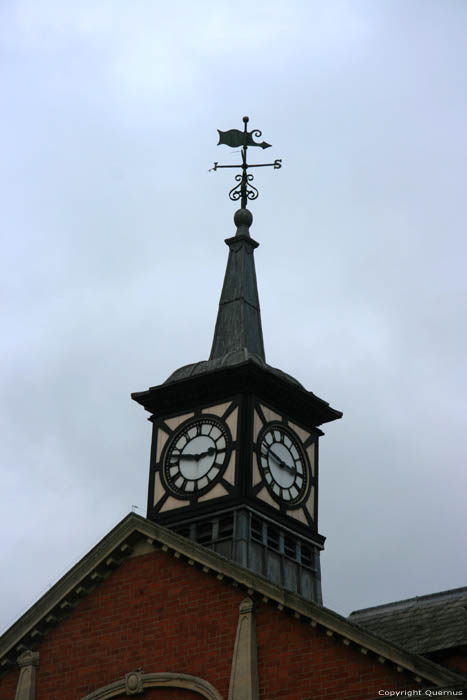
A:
x: 157, y: 614
x: 171, y: 606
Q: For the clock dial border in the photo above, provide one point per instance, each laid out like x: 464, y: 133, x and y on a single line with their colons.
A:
x: 163, y: 467
x: 303, y: 492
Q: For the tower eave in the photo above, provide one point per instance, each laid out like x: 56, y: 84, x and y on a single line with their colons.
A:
x: 246, y: 376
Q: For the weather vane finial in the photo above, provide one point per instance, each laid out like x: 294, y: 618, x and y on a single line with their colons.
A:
x: 234, y: 138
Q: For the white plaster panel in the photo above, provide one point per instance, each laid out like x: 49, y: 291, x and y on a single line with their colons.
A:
x: 269, y: 414
x: 232, y: 423
x: 257, y: 425
x: 173, y: 423
x: 215, y: 492
x: 218, y: 410
x: 230, y: 471
x: 298, y: 515
x: 158, y: 488
x: 172, y: 503
x: 311, y: 452
x: 256, y: 472
x: 310, y: 504
x: 265, y: 496
x: 302, y: 434
x: 162, y: 436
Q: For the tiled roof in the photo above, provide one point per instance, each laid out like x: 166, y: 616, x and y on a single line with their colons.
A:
x: 422, y: 624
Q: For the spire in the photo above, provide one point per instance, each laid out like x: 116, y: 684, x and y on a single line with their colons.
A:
x: 238, y: 324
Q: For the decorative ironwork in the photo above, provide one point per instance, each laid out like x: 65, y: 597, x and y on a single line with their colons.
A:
x: 234, y: 138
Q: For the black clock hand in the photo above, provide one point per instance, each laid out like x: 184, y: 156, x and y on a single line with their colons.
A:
x: 281, y: 463
x: 184, y: 456
x: 209, y: 451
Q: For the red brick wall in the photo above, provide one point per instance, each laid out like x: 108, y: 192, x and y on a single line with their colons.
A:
x: 299, y: 662
x: 454, y: 659
x: 169, y: 694
x: 156, y: 613
x: 8, y: 685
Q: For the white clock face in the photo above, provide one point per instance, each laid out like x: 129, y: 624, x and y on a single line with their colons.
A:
x: 283, y: 464
x: 196, y: 456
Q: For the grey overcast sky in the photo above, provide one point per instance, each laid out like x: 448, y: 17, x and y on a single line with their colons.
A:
x: 113, y: 259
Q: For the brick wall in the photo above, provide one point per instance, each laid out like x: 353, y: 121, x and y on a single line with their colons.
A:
x: 298, y: 662
x: 454, y: 659
x: 157, y: 613
x: 169, y: 694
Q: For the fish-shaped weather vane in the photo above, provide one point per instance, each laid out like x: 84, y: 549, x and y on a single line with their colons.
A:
x: 234, y: 138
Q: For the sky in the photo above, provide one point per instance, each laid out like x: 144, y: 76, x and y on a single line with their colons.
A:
x: 113, y: 260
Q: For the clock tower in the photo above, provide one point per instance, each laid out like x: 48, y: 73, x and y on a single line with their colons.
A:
x: 234, y: 455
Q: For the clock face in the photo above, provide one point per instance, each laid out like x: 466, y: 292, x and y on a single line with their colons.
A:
x: 196, y: 455
x: 283, y: 463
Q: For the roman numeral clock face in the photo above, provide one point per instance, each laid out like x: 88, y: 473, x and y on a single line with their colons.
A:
x: 196, y: 455
x: 283, y: 464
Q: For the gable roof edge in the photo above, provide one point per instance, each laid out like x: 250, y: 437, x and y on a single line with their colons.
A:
x: 118, y: 544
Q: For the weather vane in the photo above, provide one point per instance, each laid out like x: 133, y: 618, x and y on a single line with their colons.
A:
x: 235, y: 138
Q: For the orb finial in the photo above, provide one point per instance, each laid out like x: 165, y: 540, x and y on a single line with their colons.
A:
x: 243, y: 218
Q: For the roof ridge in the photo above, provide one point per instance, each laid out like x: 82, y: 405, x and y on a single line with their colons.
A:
x: 452, y: 592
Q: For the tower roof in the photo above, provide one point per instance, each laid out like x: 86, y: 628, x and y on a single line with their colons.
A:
x: 238, y: 335
x: 238, y: 326
x: 237, y: 355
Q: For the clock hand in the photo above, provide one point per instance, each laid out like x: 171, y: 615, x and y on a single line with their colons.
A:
x: 281, y: 463
x: 185, y: 456
x: 209, y: 451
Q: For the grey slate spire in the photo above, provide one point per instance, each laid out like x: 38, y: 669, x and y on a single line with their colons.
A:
x: 238, y: 325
